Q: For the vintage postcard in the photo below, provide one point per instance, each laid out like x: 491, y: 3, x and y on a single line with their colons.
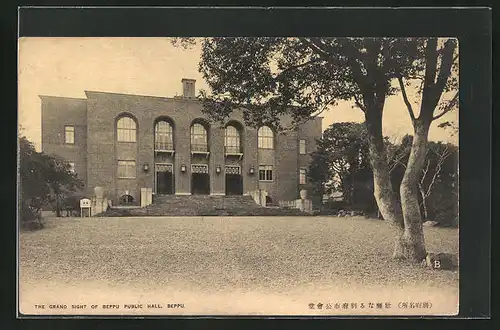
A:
x: 238, y: 176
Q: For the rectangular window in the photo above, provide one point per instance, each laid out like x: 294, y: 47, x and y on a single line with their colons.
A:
x: 69, y: 134
x: 266, y: 173
x: 302, y: 176
x: 126, y: 169
x: 72, y: 167
x: 302, y: 147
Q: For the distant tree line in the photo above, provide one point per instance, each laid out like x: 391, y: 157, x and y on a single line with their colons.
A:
x: 341, y: 164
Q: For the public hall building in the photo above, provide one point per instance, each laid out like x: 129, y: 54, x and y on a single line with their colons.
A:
x: 125, y: 142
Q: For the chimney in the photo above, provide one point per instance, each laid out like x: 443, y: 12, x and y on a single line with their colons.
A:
x: 188, y: 87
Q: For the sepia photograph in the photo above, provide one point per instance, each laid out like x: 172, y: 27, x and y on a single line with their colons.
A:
x: 178, y: 176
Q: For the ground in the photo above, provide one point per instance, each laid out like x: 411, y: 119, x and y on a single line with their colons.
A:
x: 229, y: 265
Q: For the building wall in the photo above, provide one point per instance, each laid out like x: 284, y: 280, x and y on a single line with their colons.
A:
x: 309, y: 131
x: 57, y: 112
x: 100, y: 153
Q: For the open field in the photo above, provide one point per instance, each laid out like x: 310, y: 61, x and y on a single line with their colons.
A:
x: 228, y: 265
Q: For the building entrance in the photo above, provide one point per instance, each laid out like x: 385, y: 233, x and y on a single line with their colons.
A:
x: 234, y: 181
x: 234, y: 184
x: 164, y: 179
x: 200, y: 180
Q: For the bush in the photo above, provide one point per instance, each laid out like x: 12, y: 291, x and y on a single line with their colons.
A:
x: 29, y: 219
x: 69, y: 205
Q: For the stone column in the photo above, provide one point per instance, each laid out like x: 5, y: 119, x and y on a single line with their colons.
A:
x: 97, y: 202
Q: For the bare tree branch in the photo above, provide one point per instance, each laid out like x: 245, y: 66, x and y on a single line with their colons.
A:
x: 441, y: 159
x: 446, y: 64
x: 416, y: 77
x: 425, y: 171
x: 405, y: 98
x: 450, y: 106
x: 298, y: 66
x: 359, y: 104
x: 317, y: 46
x: 397, y: 160
x: 317, y: 49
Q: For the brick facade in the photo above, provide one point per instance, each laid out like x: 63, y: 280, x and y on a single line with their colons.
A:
x: 96, y: 151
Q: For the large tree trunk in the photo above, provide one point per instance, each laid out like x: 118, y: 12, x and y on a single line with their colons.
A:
x: 385, y: 196
x: 413, y: 236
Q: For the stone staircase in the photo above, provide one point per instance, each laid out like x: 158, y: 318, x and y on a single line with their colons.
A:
x: 202, y: 205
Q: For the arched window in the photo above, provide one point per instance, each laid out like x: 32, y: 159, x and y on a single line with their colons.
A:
x: 266, y: 138
x: 126, y: 129
x: 232, y: 141
x: 199, y: 138
x: 164, y: 137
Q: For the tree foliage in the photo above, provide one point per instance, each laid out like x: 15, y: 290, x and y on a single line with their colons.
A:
x: 340, y: 162
x: 43, y: 179
x: 34, y: 190
x: 300, y: 77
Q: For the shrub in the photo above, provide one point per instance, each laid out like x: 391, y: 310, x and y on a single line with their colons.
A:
x: 30, y: 219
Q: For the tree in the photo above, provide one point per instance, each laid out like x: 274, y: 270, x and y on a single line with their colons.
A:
x: 319, y: 172
x: 342, y: 153
x: 33, y: 189
x: 433, y: 173
x: 44, y: 178
x: 268, y: 78
x: 435, y: 70
x: 438, y: 180
x: 61, y: 180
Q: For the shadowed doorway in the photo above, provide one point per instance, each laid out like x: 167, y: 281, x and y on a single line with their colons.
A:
x: 164, y: 179
x: 200, y: 180
x: 234, y: 181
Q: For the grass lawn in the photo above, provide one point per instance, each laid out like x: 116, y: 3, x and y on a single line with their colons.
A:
x: 219, y: 265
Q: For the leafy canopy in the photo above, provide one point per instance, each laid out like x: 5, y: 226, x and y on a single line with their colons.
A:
x: 272, y: 77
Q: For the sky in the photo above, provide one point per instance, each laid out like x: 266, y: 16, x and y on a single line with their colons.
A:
x: 68, y: 67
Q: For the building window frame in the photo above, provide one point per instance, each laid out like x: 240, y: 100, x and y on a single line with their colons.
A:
x: 302, y: 146
x: 69, y: 134
x: 302, y: 175
x: 266, y: 173
x: 126, y: 129
x: 164, y: 135
x: 199, y: 133
x: 126, y: 169
x: 265, y: 138
x: 232, y: 139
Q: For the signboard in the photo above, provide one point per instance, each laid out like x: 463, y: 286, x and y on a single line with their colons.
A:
x: 85, y: 203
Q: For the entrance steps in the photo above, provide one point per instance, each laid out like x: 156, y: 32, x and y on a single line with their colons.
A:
x: 203, y: 205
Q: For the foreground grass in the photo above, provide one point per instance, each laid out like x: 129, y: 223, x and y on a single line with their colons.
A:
x: 223, y: 251
x: 217, y: 254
